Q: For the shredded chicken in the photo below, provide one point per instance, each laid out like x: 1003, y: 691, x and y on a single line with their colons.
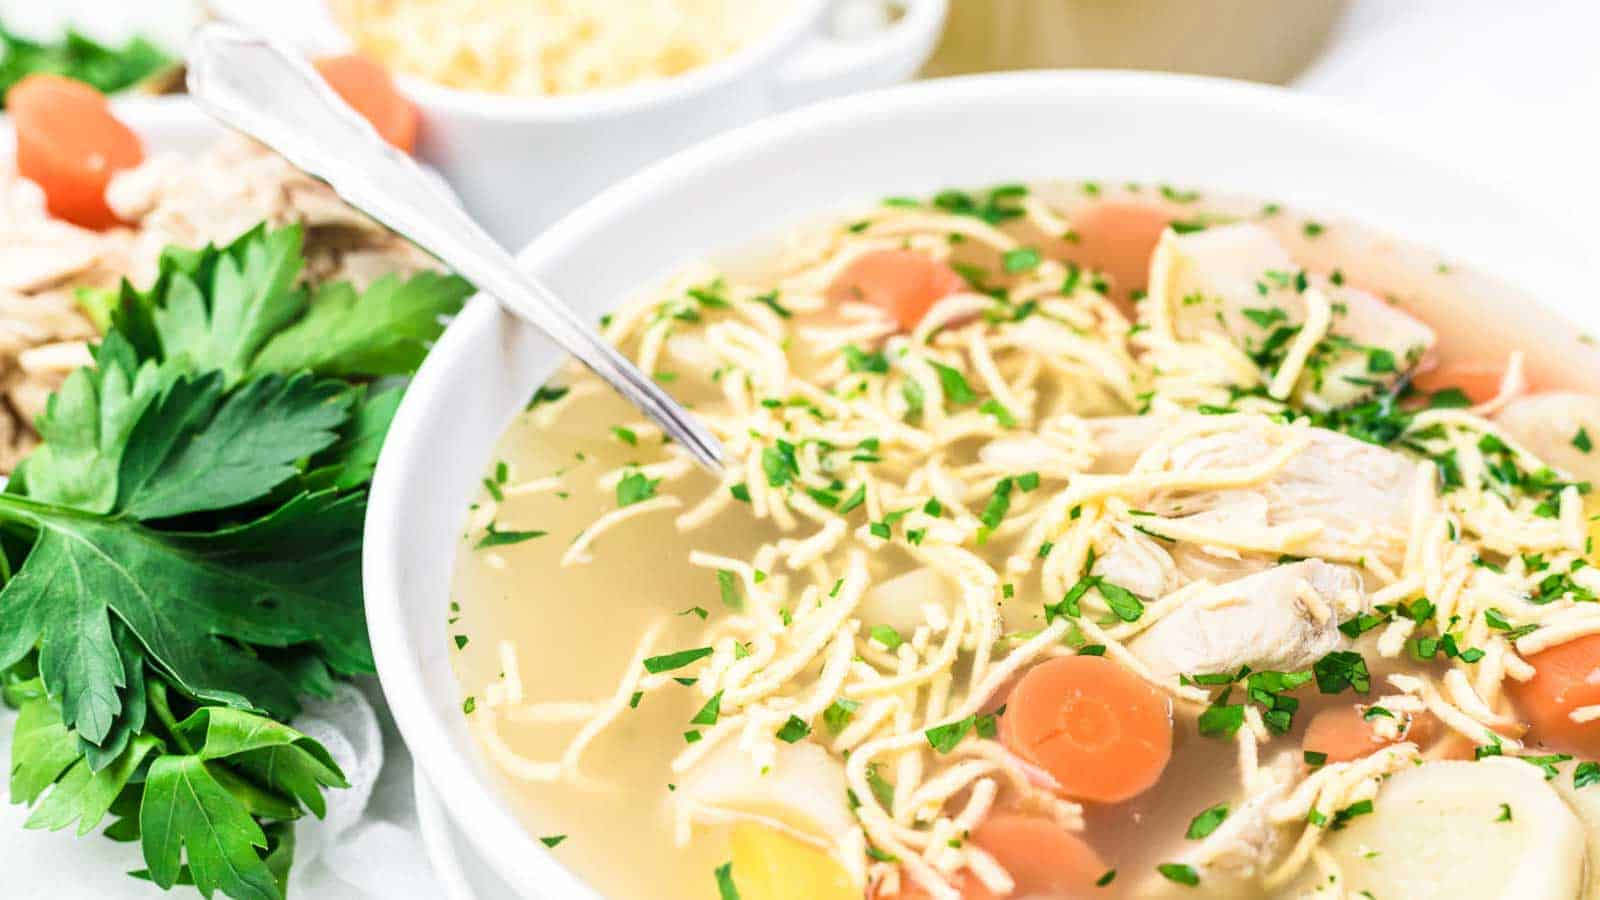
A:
x: 171, y: 199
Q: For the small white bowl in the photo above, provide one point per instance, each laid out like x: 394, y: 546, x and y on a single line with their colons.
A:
x: 1309, y: 153
x: 518, y: 163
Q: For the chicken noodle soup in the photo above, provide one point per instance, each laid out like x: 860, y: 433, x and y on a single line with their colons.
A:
x: 1074, y: 541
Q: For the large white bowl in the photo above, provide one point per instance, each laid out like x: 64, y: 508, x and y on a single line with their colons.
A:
x: 755, y: 182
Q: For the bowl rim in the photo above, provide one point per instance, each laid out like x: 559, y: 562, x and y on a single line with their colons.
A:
x: 788, y: 32
x: 473, y: 800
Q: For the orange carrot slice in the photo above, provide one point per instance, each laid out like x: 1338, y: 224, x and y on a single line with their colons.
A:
x: 1566, y: 677
x: 970, y: 887
x: 369, y: 90
x: 1344, y: 733
x: 70, y: 144
x: 1480, y: 381
x: 1118, y: 237
x: 1042, y: 857
x: 903, y: 283
x: 1101, y: 731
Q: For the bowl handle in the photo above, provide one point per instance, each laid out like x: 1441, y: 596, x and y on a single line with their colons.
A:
x: 828, y: 65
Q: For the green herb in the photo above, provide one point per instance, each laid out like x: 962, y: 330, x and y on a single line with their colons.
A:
x: 1581, y: 440
x: 726, y: 889
x: 770, y: 301
x: 1315, y: 758
x: 911, y: 391
x: 954, y: 384
x: 1585, y: 774
x: 207, y: 492
x: 1182, y: 873
x: 856, y: 498
x: 669, y: 661
x: 728, y: 585
x: 999, y: 504
x: 1022, y: 259
x: 1002, y: 416
x: 793, y: 730
x: 1342, y: 669
x: 625, y: 435
x: 779, y: 464
x: 709, y: 712
x: 998, y: 205
x: 1206, y: 822
x: 740, y: 492
x: 493, y: 537
x: 944, y: 738
x: 547, y: 394
x: 861, y: 361
x: 839, y: 713
x: 1342, y: 817
x: 553, y: 841
x: 1109, y: 876
x: 1221, y: 720
x: 882, y: 790
x: 1505, y: 813
x: 1313, y: 229
x: 635, y: 488
x: 886, y: 635
x: 106, y: 68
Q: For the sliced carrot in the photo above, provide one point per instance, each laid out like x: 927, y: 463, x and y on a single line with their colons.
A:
x: 1100, y: 730
x: 1565, y: 677
x: 903, y: 283
x: 1042, y: 857
x: 1344, y: 733
x: 369, y: 90
x: 1480, y: 381
x: 1118, y: 237
x: 965, y: 882
x: 70, y: 144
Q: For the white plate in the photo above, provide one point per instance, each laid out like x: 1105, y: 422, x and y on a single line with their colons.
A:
x: 1309, y: 153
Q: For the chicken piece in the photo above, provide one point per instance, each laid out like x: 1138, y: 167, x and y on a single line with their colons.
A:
x: 1120, y: 440
x: 1139, y: 563
x: 1237, y: 281
x: 1283, y: 620
x: 1354, y: 497
x: 802, y: 791
x: 1232, y: 859
x: 1549, y: 424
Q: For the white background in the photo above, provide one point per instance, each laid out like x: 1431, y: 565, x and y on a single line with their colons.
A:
x: 1511, y: 89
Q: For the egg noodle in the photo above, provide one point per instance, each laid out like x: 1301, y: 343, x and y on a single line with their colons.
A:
x: 549, y: 47
x: 1025, y: 441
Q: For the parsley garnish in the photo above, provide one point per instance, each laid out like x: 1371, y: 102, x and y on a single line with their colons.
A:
x: 205, y: 477
x: 793, y: 730
x: 1182, y: 873
x: 493, y: 537
x: 667, y: 662
x: 954, y: 384
x: 1206, y: 822
x: 635, y: 488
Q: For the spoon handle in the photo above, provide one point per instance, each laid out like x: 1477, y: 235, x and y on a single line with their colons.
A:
x: 243, y: 80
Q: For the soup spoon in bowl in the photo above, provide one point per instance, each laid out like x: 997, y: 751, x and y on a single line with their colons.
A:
x: 246, y: 82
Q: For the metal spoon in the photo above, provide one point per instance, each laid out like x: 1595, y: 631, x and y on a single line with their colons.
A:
x: 276, y: 97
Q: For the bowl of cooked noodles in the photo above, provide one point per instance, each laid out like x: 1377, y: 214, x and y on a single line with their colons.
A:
x: 1135, y: 486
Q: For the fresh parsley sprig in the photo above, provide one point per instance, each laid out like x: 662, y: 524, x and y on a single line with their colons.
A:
x: 181, y: 554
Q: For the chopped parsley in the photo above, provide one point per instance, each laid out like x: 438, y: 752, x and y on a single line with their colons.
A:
x: 793, y: 730
x: 1206, y: 822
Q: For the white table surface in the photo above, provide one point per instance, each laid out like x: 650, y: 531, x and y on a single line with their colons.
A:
x: 1511, y: 88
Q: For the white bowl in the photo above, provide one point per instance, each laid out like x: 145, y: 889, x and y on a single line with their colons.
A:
x: 518, y: 163
x: 1309, y: 153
